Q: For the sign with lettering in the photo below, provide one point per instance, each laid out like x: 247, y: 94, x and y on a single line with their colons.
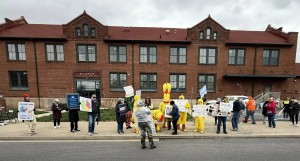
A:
x: 73, y: 100
x: 199, y: 110
x: 25, y: 110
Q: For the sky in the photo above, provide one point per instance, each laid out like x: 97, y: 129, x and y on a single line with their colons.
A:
x: 254, y: 15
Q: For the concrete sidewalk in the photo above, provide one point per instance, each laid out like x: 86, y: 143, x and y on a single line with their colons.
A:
x: 108, y: 131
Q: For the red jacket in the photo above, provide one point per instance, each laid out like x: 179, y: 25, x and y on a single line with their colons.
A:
x: 271, y: 107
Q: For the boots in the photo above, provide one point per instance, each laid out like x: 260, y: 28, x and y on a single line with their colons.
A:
x: 183, y: 128
x: 152, y: 146
x: 143, y: 142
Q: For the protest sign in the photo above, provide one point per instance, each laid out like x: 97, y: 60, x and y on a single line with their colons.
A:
x: 129, y: 91
x: 85, y: 104
x: 181, y: 104
x: 225, y: 108
x: 167, y: 111
x: 73, y: 100
x: 25, y: 110
x: 199, y: 110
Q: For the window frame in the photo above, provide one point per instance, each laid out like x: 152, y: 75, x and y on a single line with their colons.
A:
x: 148, y: 82
x: 93, y: 32
x: 148, y: 47
x: 208, y: 33
x: 119, y: 86
x: 178, y: 54
x: 117, y: 53
x: 176, y: 88
x: 270, y: 51
x: 54, y: 52
x: 236, y: 52
x: 85, y: 30
x: 201, y: 35
x: 215, y: 36
x: 208, y: 86
x: 207, y: 55
x: 19, y: 80
x: 17, y: 52
x: 87, y: 54
x: 77, y: 31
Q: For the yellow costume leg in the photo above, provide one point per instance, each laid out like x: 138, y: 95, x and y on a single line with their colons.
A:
x: 183, y: 121
x: 201, y: 124
x: 197, y: 123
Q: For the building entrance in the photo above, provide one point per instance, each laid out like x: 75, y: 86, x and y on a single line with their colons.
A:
x: 86, y: 88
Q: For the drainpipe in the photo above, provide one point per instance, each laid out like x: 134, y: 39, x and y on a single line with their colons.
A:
x: 254, y: 69
x: 132, y: 55
x: 36, y: 75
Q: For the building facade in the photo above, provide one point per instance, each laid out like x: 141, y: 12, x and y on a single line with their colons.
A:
x: 85, y: 56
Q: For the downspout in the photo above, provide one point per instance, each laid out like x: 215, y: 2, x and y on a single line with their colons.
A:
x: 254, y: 69
x: 36, y: 75
x: 132, y: 68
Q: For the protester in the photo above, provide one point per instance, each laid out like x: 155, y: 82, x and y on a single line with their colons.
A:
x: 222, y: 117
x: 235, y: 114
x: 56, y: 108
x: 183, y: 116
x: 271, y: 112
x: 92, y: 116
x: 129, y: 105
x: 199, y: 120
x: 241, y: 114
x: 73, y: 118
x: 175, y: 116
x: 251, y: 107
x: 295, y: 112
x: 120, y: 114
x: 31, y: 124
x: 286, y: 107
x: 143, y: 117
x: 264, y: 111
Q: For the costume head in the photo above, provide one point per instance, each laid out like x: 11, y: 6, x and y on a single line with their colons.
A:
x: 200, y: 101
x: 181, y: 97
x: 26, y: 96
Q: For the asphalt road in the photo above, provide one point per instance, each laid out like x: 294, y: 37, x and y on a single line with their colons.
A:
x: 258, y: 149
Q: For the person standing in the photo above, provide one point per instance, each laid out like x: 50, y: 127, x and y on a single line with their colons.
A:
x: 142, y: 114
x: 251, y: 107
x: 175, y: 116
x: 264, y: 111
x: 286, y: 107
x: 295, y: 112
x: 120, y: 114
x: 92, y: 116
x: 222, y: 117
x: 31, y: 124
x: 56, y: 108
x: 271, y: 112
x: 129, y: 105
x: 235, y: 114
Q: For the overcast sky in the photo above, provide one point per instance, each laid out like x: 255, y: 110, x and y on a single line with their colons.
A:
x: 231, y: 14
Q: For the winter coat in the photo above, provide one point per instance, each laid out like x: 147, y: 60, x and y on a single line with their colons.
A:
x: 120, y: 113
x: 264, y: 109
x: 56, y: 108
x: 175, y: 112
x: 295, y: 108
x: 95, y: 107
x: 251, y: 105
x: 237, y: 106
x: 271, y: 107
x: 73, y: 115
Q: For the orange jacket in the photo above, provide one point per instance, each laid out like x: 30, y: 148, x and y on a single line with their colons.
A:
x: 251, y: 104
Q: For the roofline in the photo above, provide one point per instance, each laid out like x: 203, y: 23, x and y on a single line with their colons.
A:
x: 257, y: 44
x: 148, y: 41
x: 32, y: 38
x: 257, y: 76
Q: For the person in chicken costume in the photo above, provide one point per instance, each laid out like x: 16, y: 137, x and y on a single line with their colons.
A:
x: 199, y: 120
x: 135, y: 128
x: 183, y: 116
x: 166, y: 101
x: 158, y: 118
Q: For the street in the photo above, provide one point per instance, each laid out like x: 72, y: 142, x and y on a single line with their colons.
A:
x: 233, y: 149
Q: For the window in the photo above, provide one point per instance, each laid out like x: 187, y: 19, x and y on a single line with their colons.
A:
x: 93, y: 32
x: 16, y: 52
x: 201, y: 35
x: 236, y: 56
x: 117, y: 53
x: 18, y: 80
x: 177, y: 55
x: 207, y: 55
x: 148, y: 54
x: 215, y: 35
x: 86, y: 53
x: 117, y: 80
x: 148, y: 81
x: 54, y: 52
x: 177, y: 82
x: 270, y: 57
x: 209, y: 80
x: 208, y: 33
x: 78, y: 31
x: 85, y: 30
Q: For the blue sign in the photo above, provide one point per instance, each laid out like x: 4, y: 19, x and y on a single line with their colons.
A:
x: 73, y: 100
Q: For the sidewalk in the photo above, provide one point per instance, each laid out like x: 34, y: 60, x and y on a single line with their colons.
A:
x: 107, y: 131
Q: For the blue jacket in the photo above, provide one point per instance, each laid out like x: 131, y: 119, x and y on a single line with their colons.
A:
x: 175, y: 112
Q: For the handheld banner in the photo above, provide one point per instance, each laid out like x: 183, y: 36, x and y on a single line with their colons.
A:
x: 73, y: 100
x: 25, y: 110
x: 181, y: 104
x: 85, y: 104
x: 225, y: 108
x: 168, y: 111
x: 199, y: 110
x: 129, y: 91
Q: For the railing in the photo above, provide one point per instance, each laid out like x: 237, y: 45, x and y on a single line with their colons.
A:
x: 263, y: 97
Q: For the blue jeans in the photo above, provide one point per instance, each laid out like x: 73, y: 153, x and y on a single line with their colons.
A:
x: 271, y: 120
x: 235, y: 119
x: 120, y: 127
x: 92, y: 119
x: 250, y: 113
x: 223, y: 120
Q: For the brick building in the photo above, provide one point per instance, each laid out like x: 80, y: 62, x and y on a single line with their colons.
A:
x: 85, y: 56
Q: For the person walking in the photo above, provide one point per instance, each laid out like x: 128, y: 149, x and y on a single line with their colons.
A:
x: 235, y: 114
x: 92, y: 116
x: 295, y: 112
x: 222, y: 117
x: 120, y: 114
x: 56, y: 108
x: 251, y: 107
x: 175, y: 116
x: 142, y: 114
x: 271, y: 112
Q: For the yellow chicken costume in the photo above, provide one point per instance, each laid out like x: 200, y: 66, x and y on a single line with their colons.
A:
x: 135, y: 125
x: 183, y: 116
x: 158, y: 117
x: 199, y: 120
x: 166, y: 101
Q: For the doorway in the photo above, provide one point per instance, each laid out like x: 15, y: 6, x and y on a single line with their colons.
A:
x: 86, y: 88
x: 268, y: 88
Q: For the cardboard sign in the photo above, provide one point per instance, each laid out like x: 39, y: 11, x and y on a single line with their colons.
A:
x: 181, y: 104
x: 25, y: 110
x: 85, y: 104
x: 168, y: 111
x: 129, y: 91
x: 199, y: 110
x: 225, y: 108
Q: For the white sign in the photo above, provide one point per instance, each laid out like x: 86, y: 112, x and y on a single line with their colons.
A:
x: 181, y: 104
x: 139, y: 93
x: 203, y: 91
x: 199, y: 110
x: 168, y: 111
x: 225, y: 108
x: 85, y: 104
x: 25, y: 110
x: 129, y: 91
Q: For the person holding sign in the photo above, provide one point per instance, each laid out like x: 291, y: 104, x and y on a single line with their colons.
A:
x: 142, y: 114
x: 92, y: 116
x: 183, y: 115
x: 31, y: 124
x: 222, y: 112
x: 175, y: 116
x: 199, y: 120
x: 120, y: 114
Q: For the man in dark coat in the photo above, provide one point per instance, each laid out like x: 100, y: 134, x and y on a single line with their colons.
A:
x: 175, y: 116
x: 92, y: 116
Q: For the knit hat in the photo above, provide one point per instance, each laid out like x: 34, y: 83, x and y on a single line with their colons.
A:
x: 56, y: 100
x: 120, y: 99
x: 140, y: 103
x: 25, y: 95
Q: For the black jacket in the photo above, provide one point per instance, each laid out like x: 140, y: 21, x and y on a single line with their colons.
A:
x: 237, y: 106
